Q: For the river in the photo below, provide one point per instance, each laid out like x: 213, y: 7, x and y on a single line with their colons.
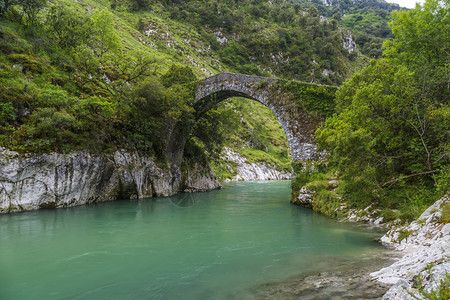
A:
x: 225, y: 244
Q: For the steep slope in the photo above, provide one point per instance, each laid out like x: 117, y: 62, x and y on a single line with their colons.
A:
x: 102, y: 71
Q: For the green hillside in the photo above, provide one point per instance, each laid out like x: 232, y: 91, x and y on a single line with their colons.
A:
x: 103, y: 75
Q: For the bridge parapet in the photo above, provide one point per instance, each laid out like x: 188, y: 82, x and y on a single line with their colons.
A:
x: 226, y: 85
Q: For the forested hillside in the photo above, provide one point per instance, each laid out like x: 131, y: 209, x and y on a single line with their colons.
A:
x: 368, y: 20
x: 110, y: 74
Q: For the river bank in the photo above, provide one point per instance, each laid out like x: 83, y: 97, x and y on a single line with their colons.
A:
x: 422, y: 249
x: 424, y: 267
x: 54, y: 180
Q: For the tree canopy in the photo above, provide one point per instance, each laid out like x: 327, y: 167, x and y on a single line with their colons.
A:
x: 393, y: 124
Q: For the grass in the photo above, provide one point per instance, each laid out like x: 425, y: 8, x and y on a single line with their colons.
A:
x: 445, y: 217
x: 223, y: 169
x: 441, y: 293
x: 168, y: 32
x: 403, y: 234
x: 261, y: 137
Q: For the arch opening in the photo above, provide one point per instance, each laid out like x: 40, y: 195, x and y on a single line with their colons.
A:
x: 255, y: 148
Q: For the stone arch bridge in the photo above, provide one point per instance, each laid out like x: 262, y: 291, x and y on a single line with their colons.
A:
x: 300, y: 107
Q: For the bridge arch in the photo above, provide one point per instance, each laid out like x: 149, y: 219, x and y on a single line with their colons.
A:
x: 298, y: 124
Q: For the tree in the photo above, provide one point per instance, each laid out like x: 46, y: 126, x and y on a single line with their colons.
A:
x: 422, y: 41
x: 31, y: 9
x: 178, y: 75
x: 137, y: 5
x: 104, y: 37
x: 70, y: 28
x: 7, y: 114
x: 393, y: 117
x: 4, y: 6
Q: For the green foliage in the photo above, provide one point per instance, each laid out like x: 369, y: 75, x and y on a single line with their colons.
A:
x: 442, y: 292
x: 4, y: 6
x: 7, y: 113
x: 29, y: 63
x: 445, y: 216
x: 104, y: 37
x: 403, y: 234
x: 388, y: 215
x: 390, y: 137
x: 135, y: 5
x: 11, y: 42
x: 69, y: 27
x: 370, y: 28
x: 223, y: 169
x: 152, y: 108
x: 319, y: 98
x: 214, y: 127
x: 31, y: 9
x: 178, y: 75
x: 421, y: 33
x: 96, y: 95
x: 271, y: 36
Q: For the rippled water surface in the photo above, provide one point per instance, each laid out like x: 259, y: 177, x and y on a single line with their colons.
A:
x: 191, y: 246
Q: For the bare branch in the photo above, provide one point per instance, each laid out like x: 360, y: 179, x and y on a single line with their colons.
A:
x: 395, y: 180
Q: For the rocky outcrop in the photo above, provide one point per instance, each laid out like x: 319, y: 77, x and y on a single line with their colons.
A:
x: 367, y: 215
x: 304, y: 198
x: 246, y: 170
x: 63, y: 180
x: 348, y: 43
x: 426, y: 247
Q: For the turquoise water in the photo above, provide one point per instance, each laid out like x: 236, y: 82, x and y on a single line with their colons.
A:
x: 191, y: 246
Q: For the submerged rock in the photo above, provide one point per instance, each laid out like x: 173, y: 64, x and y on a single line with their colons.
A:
x: 345, y: 279
x: 63, y: 180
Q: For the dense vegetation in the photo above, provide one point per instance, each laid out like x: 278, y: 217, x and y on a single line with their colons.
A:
x: 367, y: 19
x: 389, y: 142
x: 264, y: 38
x: 100, y: 75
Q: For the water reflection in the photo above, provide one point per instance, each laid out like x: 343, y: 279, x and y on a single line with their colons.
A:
x: 186, y: 246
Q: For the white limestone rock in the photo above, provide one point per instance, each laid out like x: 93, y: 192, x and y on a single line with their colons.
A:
x: 252, y: 171
x: 304, y: 198
x: 426, y: 252
x: 63, y: 180
x: 349, y: 43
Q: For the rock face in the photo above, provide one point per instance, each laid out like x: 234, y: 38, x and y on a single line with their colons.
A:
x: 426, y: 260
x: 304, y: 198
x: 59, y: 180
x: 348, y: 43
x: 252, y: 171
